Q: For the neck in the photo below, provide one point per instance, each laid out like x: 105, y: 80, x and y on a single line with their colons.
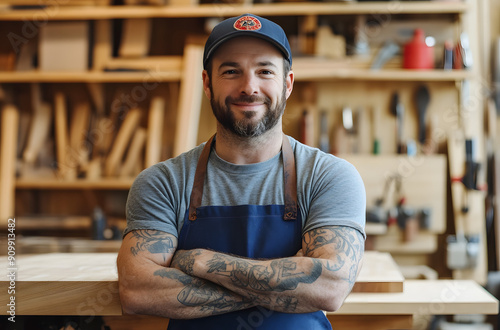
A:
x: 242, y: 150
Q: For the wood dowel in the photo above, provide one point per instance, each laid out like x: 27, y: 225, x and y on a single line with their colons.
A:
x: 133, y: 154
x: 10, y: 121
x: 155, y: 126
x: 122, y: 139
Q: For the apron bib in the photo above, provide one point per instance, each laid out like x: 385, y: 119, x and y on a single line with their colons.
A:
x: 253, y: 231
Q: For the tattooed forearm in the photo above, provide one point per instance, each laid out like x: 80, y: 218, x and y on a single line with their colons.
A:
x: 280, y: 275
x: 347, y: 245
x: 153, y: 241
x: 205, y: 295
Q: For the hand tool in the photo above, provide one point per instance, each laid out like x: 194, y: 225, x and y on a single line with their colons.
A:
x: 388, y: 51
x: 422, y: 98
x: 448, y: 55
x: 348, y: 121
x: 398, y: 110
x: 375, y: 125
x: 496, y: 74
x: 466, y: 51
x: 324, y: 140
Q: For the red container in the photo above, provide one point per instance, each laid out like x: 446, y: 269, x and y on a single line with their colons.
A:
x: 417, y: 55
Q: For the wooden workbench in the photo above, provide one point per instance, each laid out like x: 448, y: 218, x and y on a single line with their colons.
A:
x: 86, y: 284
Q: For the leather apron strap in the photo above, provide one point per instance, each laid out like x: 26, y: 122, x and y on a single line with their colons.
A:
x: 289, y: 177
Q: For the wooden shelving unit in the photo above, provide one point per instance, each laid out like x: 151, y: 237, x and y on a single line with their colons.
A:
x: 341, y: 78
x: 306, y: 69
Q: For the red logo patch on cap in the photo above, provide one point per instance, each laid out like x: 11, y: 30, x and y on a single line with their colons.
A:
x: 247, y: 23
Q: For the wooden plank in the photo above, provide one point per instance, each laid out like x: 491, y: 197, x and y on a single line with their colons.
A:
x: 63, y: 46
x: 53, y: 222
x: 188, y: 114
x: 61, y: 132
x: 392, y: 242
x: 303, y: 74
x: 370, y: 322
x: 152, y: 63
x: 100, y: 183
x: 96, y: 267
x: 121, y: 142
x: 379, y: 273
x: 133, y: 322
x: 10, y: 121
x: 47, y: 244
x: 136, y: 37
x: 62, y: 3
x: 215, y: 10
x: 134, y: 154
x: 425, y: 297
x: 40, y: 126
x: 155, y: 128
x: 102, y: 45
x: 68, y: 298
x: 79, y: 151
x: 36, y: 76
x: 93, y: 275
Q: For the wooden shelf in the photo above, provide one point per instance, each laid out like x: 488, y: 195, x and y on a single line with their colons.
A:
x: 305, y: 74
x: 103, y: 184
x: 302, y: 73
x: 218, y: 10
x: 104, y: 77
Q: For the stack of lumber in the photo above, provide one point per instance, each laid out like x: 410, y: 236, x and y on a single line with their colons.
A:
x: 72, y: 138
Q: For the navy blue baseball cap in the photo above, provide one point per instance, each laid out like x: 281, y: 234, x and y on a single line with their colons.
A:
x: 247, y: 25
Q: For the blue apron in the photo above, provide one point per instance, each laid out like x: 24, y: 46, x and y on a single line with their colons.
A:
x: 253, y: 231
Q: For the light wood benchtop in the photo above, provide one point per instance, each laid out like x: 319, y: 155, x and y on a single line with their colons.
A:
x: 86, y: 284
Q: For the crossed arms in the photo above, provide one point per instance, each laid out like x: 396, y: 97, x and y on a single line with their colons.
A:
x: 157, y: 279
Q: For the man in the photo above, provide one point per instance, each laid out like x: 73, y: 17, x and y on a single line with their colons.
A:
x: 251, y: 230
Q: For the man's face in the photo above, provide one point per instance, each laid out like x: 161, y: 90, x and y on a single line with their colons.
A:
x: 247, y: 90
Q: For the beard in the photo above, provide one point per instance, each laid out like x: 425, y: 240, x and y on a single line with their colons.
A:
x: 247, y: 127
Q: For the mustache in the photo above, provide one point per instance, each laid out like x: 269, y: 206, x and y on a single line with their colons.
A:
x: 248, y: 99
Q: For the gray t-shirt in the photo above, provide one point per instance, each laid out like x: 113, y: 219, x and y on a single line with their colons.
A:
x: 329, y: 189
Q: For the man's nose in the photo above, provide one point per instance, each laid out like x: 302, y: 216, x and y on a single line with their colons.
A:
x: 249, y: 84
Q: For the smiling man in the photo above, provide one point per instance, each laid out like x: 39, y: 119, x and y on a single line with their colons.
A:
x: 250, y: 230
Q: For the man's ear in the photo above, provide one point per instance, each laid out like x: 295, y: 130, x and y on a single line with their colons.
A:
x: 289, y: 84
x: 206, y: 84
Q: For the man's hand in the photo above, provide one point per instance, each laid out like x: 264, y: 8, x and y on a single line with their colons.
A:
x: 300, y: 253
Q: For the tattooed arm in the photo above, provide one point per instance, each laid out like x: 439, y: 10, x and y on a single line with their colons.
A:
x: 318, y: 278
x: 148, y: 285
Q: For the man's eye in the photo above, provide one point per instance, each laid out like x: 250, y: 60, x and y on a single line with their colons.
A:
x: 266, y: 72
x: 232, y: 71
